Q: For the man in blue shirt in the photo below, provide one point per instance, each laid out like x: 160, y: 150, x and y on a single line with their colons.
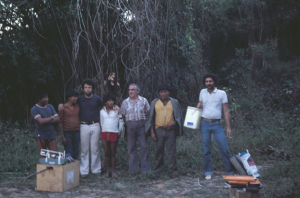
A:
x: 44, y: 116
x: 90, y: 105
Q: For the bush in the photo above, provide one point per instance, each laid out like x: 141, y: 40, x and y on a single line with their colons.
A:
x: 19, y: 152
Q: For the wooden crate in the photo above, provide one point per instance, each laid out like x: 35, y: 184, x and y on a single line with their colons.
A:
x: 60, y: 179
x: 235, y: 193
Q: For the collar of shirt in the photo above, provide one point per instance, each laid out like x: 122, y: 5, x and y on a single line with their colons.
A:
x: 139, y: 98
x: 165, y: 102
x: 70, y: 107
x: 41, y: 106
x: 104, y: 108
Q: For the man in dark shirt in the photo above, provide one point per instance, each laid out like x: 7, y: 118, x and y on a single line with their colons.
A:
x: 44, y: 116
x: 90, y: 105
x: 89, y: 128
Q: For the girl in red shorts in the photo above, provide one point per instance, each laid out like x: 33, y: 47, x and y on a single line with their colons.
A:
x: 110, y: 119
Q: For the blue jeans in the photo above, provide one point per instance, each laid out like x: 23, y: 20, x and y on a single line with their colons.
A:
x: 73, y: 142
x: 215, y: 128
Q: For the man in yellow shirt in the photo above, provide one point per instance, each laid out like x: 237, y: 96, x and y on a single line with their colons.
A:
x: 165, y: 124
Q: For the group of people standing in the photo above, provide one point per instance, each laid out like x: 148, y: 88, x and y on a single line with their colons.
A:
x: 82, y: 124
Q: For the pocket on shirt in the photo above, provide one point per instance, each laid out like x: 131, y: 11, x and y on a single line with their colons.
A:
x: 129, y: 110
x: 216, y: 103
x: 141, y: 109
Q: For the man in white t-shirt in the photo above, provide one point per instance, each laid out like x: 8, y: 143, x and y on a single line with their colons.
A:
x: 212, y: 100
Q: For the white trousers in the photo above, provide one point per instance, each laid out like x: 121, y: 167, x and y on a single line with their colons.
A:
x: 90, y: 134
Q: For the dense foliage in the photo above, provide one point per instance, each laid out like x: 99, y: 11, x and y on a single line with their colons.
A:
x: 251, y: 45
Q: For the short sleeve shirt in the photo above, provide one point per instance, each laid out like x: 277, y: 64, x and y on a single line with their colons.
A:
x: 46, y: 132
x: 135, y: 110
x: 69, y: 117
x: 212, y: 103
x: 89, y: 108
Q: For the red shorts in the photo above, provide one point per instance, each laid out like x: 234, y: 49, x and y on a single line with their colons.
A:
x: 110, y: 137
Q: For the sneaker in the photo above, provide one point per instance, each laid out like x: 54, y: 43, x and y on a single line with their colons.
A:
x: 208, y: 177
x: 83, y: 176
x: 70, y: 160
x: 97, y: 173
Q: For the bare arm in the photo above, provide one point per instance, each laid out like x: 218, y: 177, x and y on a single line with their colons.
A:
x: 60, y: 129
x: 117, y: 108
x: 45, y: 121
x: 61, y: 114
x: 60, y: 107
x: 227, y: 118
x: 122, y: 112
x: 60, y: 126
x: 55, y: 120
x: 147, y: 109
x: 199, y: 105
x: 101, y: 121
x: 153, y: 137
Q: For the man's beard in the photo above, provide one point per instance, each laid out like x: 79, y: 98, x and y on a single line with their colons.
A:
x: 88, y: 94
x: 210, y: 86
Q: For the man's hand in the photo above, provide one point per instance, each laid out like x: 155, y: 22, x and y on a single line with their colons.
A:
x: 227, y: 118
x: 153, y: 137
x: 60, y: 107
x: 228, y: 132
x: 199, y: 105
x: 169, y: 126
x: 63, y: 141
x: 117, y: 108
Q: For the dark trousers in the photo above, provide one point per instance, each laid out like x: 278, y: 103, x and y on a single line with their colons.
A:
x: 73, y: 142
x: 136, y: 132
x: 169, y: 137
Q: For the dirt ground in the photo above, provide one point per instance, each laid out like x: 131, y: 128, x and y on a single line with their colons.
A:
x: 145, y: 186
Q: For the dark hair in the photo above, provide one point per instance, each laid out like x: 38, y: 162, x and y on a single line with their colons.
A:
x: 40, y: 95
x: 109, y: 96
x: 71, y: 92
x: 210, y: 75
x: 89, y: 82
x: 164, y: 87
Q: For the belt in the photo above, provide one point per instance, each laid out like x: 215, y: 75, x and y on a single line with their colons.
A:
x: 134, y: 120
x: 211, y: 120
x: 89, y: 123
